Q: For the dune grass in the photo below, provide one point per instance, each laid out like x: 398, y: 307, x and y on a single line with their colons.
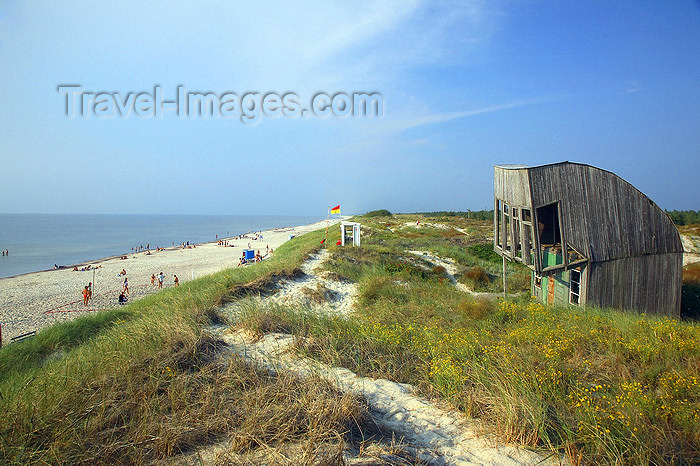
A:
x: 142, y: 383
x: 466, y: 241
x: 602, y: 385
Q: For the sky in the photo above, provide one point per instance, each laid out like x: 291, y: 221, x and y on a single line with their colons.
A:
x: 464, y: 85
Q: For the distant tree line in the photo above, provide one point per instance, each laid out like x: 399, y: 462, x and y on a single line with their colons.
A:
x: 475, y: 214
x: 684, y: 217
x: 679, y: 217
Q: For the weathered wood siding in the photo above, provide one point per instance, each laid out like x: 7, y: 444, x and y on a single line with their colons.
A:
x: 603, y: 216
x: 512, y: 185
x: 650, y: 284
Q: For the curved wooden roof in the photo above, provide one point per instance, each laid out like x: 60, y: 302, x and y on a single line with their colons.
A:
x: 603, y: 216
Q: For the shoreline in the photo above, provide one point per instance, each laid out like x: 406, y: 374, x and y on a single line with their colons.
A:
x: 153, y: 251
x: 33, y: 300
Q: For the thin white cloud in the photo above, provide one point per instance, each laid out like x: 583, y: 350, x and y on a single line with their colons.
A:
x: 435, y: 118
x: 633, y: 86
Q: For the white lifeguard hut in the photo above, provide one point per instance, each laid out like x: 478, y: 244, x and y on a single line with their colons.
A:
x: 350, y: 233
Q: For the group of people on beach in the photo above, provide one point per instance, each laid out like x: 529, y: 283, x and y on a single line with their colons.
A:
x: 87, y: 294
x: 124, y: 293
x: 161, y: 279
x: 141, y: 248
x: 82, y: 269
x: 257, y: 258
x: 123, y: 296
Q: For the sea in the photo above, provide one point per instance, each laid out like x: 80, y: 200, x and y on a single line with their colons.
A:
x: 41, y: 241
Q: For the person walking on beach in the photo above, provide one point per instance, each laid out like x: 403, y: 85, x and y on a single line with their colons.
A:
x: 153, y: 279
x: 126, y: 285
x: 85, y: 296
x: 89, y: 291
x: 177, y: 280
x: 161, y: 277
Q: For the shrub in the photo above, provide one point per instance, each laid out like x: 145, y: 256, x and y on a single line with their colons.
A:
x: 398, y: 267
x: 476, y: 308
x: 484, y: 251
x: 378, y: 213
x: 478, y: 276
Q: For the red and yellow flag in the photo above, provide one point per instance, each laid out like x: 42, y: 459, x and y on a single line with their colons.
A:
x: 336, y: 209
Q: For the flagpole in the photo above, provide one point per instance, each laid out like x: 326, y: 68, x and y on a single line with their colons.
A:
x: 328, y: 222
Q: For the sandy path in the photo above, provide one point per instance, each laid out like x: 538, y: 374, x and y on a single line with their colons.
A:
x: 339, y: 295
x: 437, y: 434
x: 32, y: 301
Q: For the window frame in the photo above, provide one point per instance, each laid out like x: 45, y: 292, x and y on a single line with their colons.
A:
x: 578, y: 282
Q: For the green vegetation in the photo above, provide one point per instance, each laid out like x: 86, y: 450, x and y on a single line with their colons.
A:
x: 378, y: 213
x: 601, y: 385
x: 469, y: 214
x: 684, y: 217
x: 142, y: 383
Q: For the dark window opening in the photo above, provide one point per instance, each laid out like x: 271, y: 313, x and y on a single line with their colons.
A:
x: 548, y: 225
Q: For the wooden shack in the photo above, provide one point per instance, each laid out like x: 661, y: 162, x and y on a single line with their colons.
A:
x: 589, y: 237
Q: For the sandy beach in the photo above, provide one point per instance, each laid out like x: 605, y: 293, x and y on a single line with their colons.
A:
x: 32, y: 301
